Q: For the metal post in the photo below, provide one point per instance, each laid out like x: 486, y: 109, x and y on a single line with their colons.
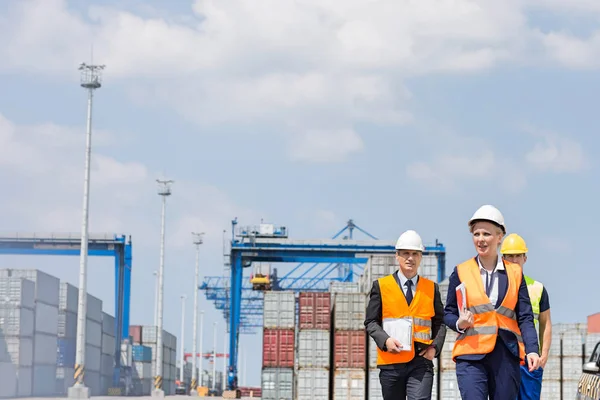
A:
x: 194, y: 384
x: 90, y: 80
x: 200, y: 370
x: 214, y: 356
x: 164, y: 191
x: 156, y: 298
x: 181, y: 347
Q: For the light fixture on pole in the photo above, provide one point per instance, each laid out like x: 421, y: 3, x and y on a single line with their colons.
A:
x: 197, y: 240
x: 91, y: 79
x: 155, y: 298
x: 164, y: 190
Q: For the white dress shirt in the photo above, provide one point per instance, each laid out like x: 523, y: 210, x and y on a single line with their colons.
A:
x: 403, y: 279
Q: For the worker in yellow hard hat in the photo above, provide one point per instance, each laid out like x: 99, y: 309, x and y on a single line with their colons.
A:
x: 514, y: 249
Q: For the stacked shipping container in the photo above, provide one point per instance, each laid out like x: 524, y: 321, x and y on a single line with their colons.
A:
x: 67, y: 340
x: 17, y: 315
x: 349, y: 344
x: 109, y: 344
x: 314, y: 340
x: 144, y: 370
x: 279, y: 321
x: 45, y: 328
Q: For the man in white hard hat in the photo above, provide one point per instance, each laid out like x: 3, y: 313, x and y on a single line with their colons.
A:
x: 495, y: 318
x: 405, y: 298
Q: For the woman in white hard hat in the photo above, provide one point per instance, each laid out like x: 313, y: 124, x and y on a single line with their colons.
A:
x: 494, y: 319
x: 407, y: 300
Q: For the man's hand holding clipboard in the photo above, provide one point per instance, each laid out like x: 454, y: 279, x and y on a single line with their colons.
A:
x: 465, y: 317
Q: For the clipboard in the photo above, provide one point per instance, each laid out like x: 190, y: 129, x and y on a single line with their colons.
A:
x: 400, y: 329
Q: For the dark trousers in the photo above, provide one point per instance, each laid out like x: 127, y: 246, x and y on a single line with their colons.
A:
x: 497, y: 375
x: 412, y: 381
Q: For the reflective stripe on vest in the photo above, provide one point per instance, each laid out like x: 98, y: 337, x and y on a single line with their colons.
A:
x: 535, y: 290
x: 421, y: 309
x: 487, y: 320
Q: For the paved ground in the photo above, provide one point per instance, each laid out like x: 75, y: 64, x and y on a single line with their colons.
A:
x: 132, y: 397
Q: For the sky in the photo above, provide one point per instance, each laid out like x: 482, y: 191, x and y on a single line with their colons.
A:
x: 397, y: 114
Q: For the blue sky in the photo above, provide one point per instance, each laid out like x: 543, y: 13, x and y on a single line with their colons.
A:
x: 400, y: 116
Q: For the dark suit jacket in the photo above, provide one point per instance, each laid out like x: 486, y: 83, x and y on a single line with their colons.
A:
x: 374, y: 325
x: 522, y: 309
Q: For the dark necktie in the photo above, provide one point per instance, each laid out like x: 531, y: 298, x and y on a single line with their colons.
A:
x: 409, y: 293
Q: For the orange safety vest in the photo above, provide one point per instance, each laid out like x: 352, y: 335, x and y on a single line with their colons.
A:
x: 481, y: 337
x: 394, y: 305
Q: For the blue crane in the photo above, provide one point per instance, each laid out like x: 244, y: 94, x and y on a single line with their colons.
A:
x: 104, y: 245
x: 271, y: 245
x: 312, y: 278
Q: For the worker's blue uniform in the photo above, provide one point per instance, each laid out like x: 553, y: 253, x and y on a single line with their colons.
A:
x: 496, y: 374
x: 531, y: 382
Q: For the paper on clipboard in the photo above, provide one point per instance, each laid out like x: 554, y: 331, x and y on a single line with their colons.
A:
x: 461, y: 296
x: 400, y: 329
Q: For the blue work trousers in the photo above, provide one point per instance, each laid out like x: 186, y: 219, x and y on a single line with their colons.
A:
x: 496, y: 376
x: 531, y: 384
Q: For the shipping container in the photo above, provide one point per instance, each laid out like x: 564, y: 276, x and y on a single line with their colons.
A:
x: 372, y: 353
x: 67, y: 348
x: 429, y: 267
x: 107, y: 366
x: 278, y: 347
x: 313, y: 348
x: 444, y: 290
x: 277, y: 383
x: 149, y: 336
x: 349, y: 311
x: 25, y: 381
x: 279, y: 310
x: 313, y: 384
x: 344, y: 287
x: 92, y: 381
x: 135, y: 331
x: 94, y: 310
x: 93, y: 333
x: 46, y: 317
x: 375, y: 385
x: 46, y: 286
x: 108, y: 344
x: 44, y: 349
x: 142, y: 370
x: 142, y: 387
x: 449, y: 386
x: 18, y: 292
x: 8, y: 377
x: 350, y: 349
x: 16, y: 321
x: 67, y: 324
x: 349, y: 384
x: 141, y: 353
x: 44, y: 380
x: 315, y: 310
x: 93, y: 359
x: 65, y: 378
x: 68, y: 298
x: 18, y: 350
x: 108, y: 324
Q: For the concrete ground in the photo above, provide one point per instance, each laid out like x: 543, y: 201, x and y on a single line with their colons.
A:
x: 133, y: 397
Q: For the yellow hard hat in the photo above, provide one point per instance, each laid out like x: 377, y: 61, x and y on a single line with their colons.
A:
x: 513, y: 244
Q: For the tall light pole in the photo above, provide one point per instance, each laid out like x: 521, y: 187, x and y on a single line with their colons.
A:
x: 224, y: 365
x: 197, y: 241
x: 214, y: 356
x: 91, y: 79
x: 155, y: 298
x: 181, y: 347
x: 164, y: 190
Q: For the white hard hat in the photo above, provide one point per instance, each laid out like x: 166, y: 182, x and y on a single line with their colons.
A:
x: 410, y: 240
x: 488, y: 213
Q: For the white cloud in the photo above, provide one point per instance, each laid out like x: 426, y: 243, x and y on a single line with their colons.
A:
x: 555, y: 153
x: 446, y: 171
x: 334, y: 63
x: 572, y: 51
x: 318, y: 146
x: 43, y: 167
